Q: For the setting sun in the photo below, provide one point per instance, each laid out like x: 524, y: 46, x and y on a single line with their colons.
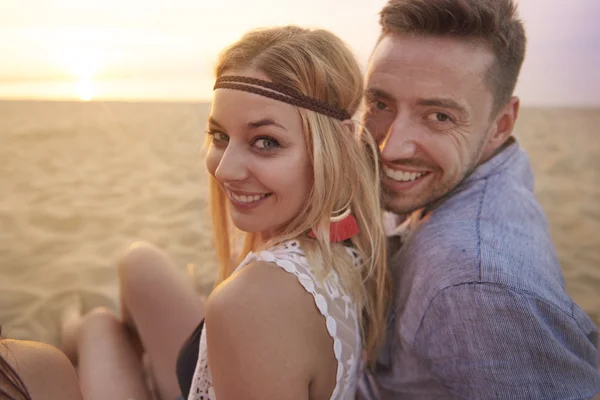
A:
x: 85, y: 88
x: 83, y: 64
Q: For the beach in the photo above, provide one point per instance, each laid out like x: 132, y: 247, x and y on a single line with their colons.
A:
x: 80, y: 181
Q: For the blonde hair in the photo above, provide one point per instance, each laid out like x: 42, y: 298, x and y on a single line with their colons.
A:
x: 318, y: 64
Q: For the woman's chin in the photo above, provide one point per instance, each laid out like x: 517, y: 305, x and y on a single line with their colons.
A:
x: 246, y: 227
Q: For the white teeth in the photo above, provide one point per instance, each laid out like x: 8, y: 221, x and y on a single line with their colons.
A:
x: 402, y: 176
x: 246, y: 199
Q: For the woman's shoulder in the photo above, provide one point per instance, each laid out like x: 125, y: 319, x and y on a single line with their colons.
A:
x: 46, y: 371
x: 263, y: 291
x: 261, y: 285
x: 280, y: 280
x: 262, y: 319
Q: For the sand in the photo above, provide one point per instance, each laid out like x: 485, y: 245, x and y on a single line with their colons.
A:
x: 81, y: 181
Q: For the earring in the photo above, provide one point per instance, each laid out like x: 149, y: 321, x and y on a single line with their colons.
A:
x: 341, y: 227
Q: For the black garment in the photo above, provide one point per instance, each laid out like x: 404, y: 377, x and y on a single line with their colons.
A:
x: 187, y: 360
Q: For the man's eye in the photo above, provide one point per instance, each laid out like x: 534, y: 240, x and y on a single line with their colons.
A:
x: 380, y: 105
x: 439, y: 117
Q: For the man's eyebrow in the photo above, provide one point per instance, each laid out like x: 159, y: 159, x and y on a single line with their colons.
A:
x: 376, y: 92
x: 444, y: 102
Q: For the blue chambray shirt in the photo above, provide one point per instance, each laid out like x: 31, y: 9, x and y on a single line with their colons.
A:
x: 480, y: 309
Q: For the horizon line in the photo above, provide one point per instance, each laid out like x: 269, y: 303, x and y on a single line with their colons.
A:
x: 208, y: 102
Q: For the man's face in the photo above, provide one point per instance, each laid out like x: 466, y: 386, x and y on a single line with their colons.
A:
x: 430, y: 110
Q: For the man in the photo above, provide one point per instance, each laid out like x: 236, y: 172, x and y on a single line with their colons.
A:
x: 480, y: 309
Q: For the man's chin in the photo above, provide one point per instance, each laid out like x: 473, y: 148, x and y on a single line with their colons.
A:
x: 402, y: 209
x: 402, y: 204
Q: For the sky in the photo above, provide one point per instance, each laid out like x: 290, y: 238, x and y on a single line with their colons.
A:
x: 166, y: 49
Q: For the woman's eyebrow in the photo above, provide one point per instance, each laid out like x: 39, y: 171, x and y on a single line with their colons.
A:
x: 264, y: 122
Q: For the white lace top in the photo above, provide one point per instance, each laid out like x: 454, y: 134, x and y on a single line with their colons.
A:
x: 338, y: 310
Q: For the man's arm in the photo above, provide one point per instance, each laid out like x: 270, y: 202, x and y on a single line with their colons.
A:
x: 488, y: 341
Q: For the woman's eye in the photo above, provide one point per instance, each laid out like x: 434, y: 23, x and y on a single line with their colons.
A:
x: 266, y: 143
x: 218, y: 136
x: 221, y: 137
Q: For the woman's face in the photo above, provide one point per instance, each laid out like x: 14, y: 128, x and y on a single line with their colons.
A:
x: 259, y: 156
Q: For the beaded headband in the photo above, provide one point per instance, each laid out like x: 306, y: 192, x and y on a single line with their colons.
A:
x: 279, y: 92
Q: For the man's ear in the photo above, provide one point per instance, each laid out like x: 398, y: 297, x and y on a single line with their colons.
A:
x: 503, y: 127
x: 505, y: 122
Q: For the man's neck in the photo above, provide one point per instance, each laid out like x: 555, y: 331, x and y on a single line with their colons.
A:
x: 511, y: 139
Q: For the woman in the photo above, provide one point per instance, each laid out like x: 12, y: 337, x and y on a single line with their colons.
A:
x: 35, y: 371
x: 308, y: 299
x: 286, y: 170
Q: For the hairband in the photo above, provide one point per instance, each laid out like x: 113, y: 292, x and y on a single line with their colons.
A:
x: 280, y: 92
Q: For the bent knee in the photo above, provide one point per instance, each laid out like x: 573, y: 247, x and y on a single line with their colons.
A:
x: 99, y: 319
x: 139, y: 257
x: 142, y: 268
x: 101, y: 315
x: 45, y: 370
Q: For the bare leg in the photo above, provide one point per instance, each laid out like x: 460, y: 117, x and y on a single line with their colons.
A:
x: 71, y: 321
x: 109, y: 367
x: 160, y: 305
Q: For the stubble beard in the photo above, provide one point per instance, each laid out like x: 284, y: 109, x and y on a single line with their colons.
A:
x: 436, y: 195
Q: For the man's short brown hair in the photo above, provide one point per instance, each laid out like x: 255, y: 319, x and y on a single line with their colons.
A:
x: 493, y: 22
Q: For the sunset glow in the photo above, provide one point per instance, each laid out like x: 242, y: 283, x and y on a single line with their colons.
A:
x: 159, y: 50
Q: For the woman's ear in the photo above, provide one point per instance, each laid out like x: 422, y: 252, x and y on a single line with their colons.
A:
x: 350, y: 124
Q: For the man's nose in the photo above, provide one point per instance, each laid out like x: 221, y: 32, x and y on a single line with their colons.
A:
x: 400, y: 141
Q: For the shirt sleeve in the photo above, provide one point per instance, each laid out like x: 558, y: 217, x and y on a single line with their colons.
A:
x: 488, y: 341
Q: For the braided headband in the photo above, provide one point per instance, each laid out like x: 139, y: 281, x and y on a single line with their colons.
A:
x: 279, y: 92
